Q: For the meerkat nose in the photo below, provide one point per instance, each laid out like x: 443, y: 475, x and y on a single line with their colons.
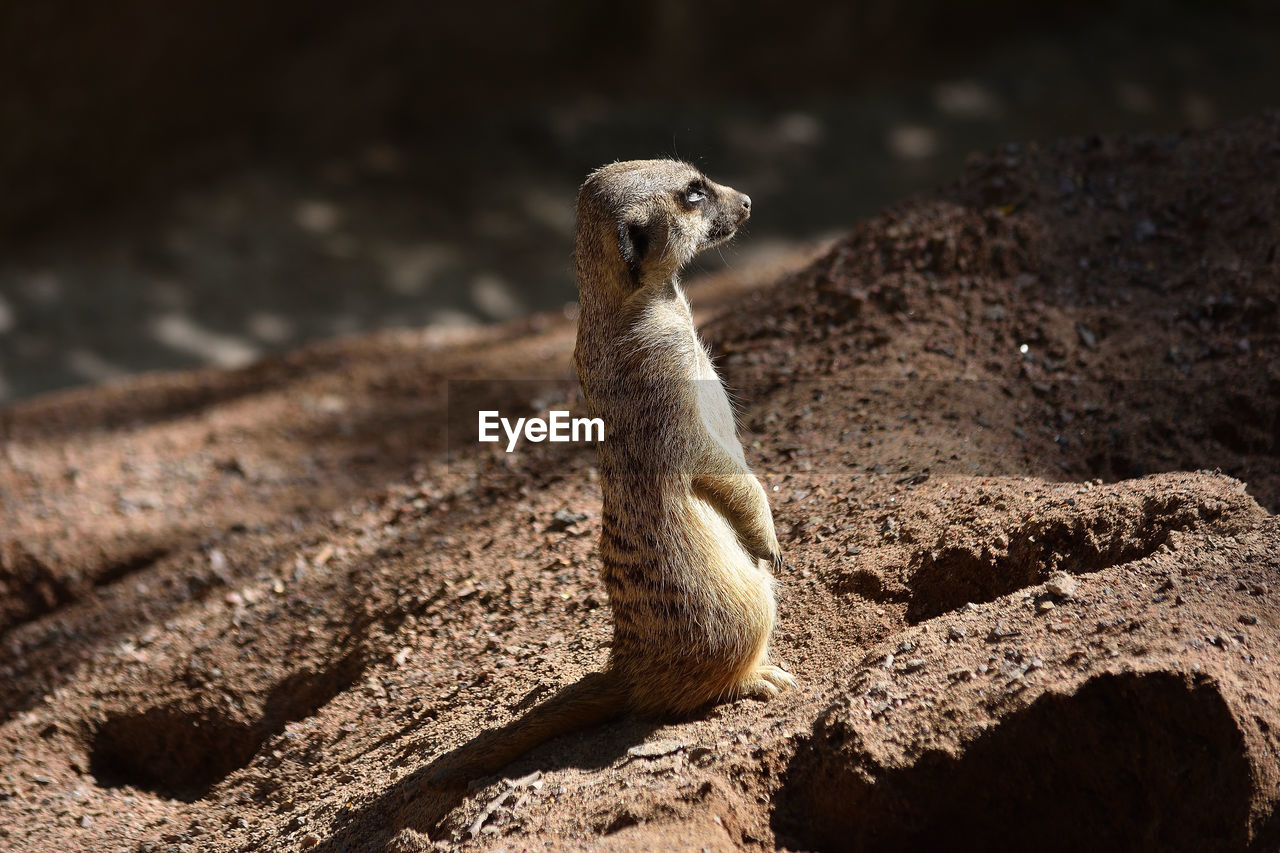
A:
x: 746, y: 203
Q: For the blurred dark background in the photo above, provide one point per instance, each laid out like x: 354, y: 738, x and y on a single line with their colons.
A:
x: 187, y: 184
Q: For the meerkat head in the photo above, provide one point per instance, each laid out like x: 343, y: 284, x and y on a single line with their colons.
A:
x: 650, y: 217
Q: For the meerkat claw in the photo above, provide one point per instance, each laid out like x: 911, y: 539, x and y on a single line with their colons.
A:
x: 776, y: 558
x: 762, y: 690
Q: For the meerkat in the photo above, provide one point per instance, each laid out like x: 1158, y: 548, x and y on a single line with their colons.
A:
x: 687, y: 538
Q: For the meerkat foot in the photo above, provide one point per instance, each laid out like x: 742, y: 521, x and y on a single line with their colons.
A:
x: 778, y: 677
x: 766, y: 682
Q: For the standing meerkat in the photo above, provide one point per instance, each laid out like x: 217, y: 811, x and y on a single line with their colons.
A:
x: 687, y: 534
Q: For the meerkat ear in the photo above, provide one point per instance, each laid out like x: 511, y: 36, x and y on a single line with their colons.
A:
x: 633, y: 244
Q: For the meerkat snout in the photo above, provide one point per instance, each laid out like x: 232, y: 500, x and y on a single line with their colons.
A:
x: 727, y: 215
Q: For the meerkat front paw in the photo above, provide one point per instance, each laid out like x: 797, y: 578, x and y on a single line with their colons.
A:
x: 767, y: 546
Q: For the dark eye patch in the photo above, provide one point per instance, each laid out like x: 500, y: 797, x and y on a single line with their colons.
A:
x: 695, y: 193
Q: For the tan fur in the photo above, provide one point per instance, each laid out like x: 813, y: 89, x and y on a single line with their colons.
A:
x: 687, y: 532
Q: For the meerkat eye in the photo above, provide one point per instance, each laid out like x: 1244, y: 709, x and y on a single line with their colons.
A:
x: 696, y: 194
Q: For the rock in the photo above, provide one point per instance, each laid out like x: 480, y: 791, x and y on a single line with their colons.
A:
x: 701, y: 754
x: 531, y: 779
x: 1001, y: 631
x: 1060, y: 584
x: 563, y: 519
x: 655, y: 748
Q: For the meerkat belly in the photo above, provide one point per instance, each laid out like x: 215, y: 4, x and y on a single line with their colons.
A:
x: 690, y: 626
x: 743, y: 587
x: 703, y: 599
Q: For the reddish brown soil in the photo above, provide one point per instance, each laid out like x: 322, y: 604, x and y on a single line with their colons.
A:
x: 249, y: 610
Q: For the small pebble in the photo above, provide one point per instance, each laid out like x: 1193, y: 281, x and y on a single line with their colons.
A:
x: 1060, y: 584
x: 699, y: 754
x: 1000, y: 631
x: 563, y: 519
x: 656, y: 748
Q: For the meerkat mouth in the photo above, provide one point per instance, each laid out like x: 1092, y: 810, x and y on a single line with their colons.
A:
x: 720, y: 236
x: 725, y: 229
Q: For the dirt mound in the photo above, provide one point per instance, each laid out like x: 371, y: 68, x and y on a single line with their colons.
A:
x: 1021, y: 439
x: 1081, y: 768
x: 1075, y: 531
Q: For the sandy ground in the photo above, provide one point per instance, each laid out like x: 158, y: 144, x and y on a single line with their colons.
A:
x: 1021, y: 437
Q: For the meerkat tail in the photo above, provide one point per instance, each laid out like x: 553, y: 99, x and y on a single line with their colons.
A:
x: 597, y: 698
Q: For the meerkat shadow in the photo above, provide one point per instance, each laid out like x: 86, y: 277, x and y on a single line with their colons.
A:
x: 411, y: 803
x: 569, y: 728
x: 422, y: 801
